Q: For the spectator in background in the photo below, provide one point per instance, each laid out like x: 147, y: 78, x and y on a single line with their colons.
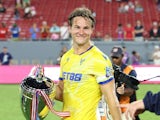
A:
x: 158, y: 4
x: 131, y: 6
x: 62, y: 52
x: 123, y: 8
x: 126, y: 1
x: 135, y: 58
x: 44, y: 31
x: 15, y: 31
x: 120, y: 32
x: 16, y: 13
x: 107, y: 38
x: 138, y: 30
x: 156, y: 55
x: 33, y: 11
x: 154, y: 31
x: 27, y: 11
x: 2, y: 8
x: 3, y: 32
x: 129, y: 32
x: 138, y: 7
x: 64, y: 31
x: 34, y: 30
x: 126, y: 7
x: 98, y: 36
x: 108, y: 0
x: 18, y: 3
x: 55, y: 31
x: 126, y: 56
x: 93, y: 13
x: 25, y: 3
x: 5, y: 57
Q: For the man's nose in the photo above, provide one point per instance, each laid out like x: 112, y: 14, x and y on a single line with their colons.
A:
x: 81, y: 31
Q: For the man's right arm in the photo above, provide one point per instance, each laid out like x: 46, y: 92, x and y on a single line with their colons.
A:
x: 59, y: 91
x: 151, y: 102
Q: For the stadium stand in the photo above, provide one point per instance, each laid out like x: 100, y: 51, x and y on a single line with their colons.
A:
x: 107, y: 15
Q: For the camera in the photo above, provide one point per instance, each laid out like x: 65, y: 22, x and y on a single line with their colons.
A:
x: 121, y: 78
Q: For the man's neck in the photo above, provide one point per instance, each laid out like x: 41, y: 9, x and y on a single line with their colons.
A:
x: 81, y: 49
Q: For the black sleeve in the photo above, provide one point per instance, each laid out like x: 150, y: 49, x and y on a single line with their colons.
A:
x: 133, y: 73
x: 152, y: 102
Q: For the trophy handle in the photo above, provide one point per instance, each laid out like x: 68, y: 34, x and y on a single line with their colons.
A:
x: 48, y: 103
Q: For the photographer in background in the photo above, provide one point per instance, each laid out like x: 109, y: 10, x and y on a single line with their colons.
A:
x: 125, y: 93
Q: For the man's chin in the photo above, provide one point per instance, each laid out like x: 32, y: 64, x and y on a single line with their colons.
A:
x: 80, y: 42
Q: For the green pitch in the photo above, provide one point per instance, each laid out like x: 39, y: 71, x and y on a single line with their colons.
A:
x: 10, y: 103
x: 141, y: 93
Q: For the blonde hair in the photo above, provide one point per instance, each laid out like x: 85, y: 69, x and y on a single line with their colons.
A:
x: 83, y: 12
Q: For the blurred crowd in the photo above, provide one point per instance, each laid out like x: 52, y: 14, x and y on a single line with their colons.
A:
x: 44, y: 32
x: 59, y: 31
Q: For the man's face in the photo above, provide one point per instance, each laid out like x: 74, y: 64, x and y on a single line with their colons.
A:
x: 5, y: 50
x: 81, y: 30
x: 117, y: 60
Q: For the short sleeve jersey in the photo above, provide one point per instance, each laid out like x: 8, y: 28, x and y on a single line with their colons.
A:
x: 82, y: 75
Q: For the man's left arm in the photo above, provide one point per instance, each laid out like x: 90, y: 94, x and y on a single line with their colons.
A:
x: 108, y: 90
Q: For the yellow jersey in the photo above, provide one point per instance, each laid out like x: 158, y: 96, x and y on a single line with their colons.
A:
x: 82, y: 75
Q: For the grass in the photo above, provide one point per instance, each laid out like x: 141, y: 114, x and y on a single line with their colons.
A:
x: 141, y: 93
x: 10, y: 103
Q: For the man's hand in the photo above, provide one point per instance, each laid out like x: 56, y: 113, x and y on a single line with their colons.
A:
x: 120, y: 90
x: 133, y: 109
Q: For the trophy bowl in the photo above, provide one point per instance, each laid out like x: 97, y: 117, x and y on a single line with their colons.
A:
x: 28, y: 87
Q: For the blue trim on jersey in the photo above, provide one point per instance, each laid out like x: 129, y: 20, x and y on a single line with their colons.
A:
x: 107, y: 81
x: 60, y: 78
x: 86, y: 50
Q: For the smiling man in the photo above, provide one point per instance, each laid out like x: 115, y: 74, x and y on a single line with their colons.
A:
x: 86, y: 72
